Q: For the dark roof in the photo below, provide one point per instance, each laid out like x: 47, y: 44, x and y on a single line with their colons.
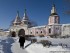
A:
x: 53, y: 14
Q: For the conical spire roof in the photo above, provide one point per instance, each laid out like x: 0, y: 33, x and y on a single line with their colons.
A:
x: 25, y: 17
x: 17, y: 19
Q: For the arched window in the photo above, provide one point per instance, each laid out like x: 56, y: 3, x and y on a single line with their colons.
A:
x: 30, y: 32
x: 37, y: 32
x: 41, y: 32
x: 49, y: 30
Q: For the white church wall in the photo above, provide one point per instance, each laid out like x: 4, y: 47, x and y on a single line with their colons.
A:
x: 54, y: 29
x: 65, y: 29
x: 37, y: 31
x: 57, y: 29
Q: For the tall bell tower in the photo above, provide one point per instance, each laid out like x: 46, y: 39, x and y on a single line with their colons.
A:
x: 53, y: 18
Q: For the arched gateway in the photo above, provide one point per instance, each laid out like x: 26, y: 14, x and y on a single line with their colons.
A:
x: 13, y: 34
x: 21, y: 32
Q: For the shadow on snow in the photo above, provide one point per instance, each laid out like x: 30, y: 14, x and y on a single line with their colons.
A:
x: 7, y: 43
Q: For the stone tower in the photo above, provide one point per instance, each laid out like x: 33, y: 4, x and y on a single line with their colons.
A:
x: 53, y: 18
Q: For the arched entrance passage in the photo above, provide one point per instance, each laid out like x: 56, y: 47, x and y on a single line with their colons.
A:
x: 21, y: 32
x: 13, y: 34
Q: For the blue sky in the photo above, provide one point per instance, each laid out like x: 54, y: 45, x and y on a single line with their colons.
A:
x: 37, y: 10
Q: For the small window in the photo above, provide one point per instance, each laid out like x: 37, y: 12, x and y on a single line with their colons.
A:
x: 30, y: 32
x: 41, y: 31
x: 57, y: 28
x: 37, y: 32
x: 29, y: 23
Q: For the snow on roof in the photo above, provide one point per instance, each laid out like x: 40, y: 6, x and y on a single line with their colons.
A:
x: 7, y: 31
x: 54, y: 24
x: 66, y: 24
x: 39, y: 26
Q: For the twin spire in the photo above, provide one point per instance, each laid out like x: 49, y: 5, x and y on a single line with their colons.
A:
x: 18, y: 20
x: 25, y: 17
x: 17, y: 13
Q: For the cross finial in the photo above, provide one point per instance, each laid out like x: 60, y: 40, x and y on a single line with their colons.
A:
x: 53, y: 5
x: 25, y: 10
x: 17, y: 13
x: 53, y: 9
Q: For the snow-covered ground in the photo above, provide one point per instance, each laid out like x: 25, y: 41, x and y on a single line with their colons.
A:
x: 11, y: 45
x: 55, y: 40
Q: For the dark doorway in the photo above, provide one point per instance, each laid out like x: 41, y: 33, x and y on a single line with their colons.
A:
x: 13, y: 34
x: 21, y: 32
